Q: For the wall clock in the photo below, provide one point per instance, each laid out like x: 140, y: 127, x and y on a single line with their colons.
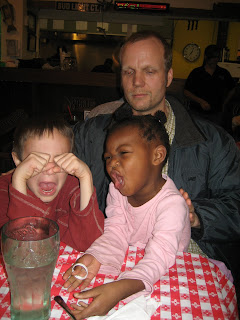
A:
x: 191, y: 52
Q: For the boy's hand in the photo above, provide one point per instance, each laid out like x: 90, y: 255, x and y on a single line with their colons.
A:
x: 105, y: 297
x: 32, y: 165
x: 71, y: 164
x: 194, y: 221
x: 76, y: 167
x: 93, y: 266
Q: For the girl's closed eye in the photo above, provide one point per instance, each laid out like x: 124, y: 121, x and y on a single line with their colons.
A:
x: 106, y: 157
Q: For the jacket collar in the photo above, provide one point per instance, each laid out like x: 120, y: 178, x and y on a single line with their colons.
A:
x: 186, y: 131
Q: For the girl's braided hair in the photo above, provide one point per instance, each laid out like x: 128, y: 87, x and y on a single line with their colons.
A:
x: 151, y: 128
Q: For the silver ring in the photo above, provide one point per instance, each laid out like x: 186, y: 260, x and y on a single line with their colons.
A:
x: 84, y: 267
x: 78, y: 302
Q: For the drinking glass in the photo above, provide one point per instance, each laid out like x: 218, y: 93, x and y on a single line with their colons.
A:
x: 30, y: 248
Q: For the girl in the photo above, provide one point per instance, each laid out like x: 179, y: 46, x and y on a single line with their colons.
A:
x: 144, y: 209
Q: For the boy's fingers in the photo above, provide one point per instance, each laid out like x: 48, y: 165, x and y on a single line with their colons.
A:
x: 41, y: 156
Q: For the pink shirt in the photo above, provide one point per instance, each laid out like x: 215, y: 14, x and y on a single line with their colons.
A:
x: 161, y: 226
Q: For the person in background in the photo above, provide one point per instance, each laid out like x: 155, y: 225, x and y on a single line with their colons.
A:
x: 105, y: 68
x: 144, y: 209
x: 209, y: 87
x: 204, y: 161
x: 236, y: 136
x: 231, y: 113
x: 50, y: 181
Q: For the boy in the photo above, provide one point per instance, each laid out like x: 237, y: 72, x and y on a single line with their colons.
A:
x: 50, y: 181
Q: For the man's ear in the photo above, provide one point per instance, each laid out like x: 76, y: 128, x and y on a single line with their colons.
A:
x: 169, y: 77
x: 159, y: 155
x: 16, y: 159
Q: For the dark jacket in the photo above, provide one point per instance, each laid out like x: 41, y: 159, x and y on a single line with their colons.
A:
x: 204, y: 161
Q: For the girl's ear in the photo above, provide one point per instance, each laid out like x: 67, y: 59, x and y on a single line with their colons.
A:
x: 15, y: 159
x: 159, y: 155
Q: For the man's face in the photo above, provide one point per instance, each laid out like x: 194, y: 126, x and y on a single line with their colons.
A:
x: 47, y: 186
x: 144, y: 79
x: 213, y: 61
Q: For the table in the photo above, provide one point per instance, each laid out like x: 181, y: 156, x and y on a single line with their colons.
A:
x: 193, y: 289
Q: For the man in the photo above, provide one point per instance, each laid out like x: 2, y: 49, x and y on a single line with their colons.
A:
x: 204, y: 160
x: 209, y: 87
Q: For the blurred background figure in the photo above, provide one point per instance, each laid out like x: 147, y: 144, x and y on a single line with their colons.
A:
x: 209, y: 87
x: 231, y: 116
x: 106, y: 67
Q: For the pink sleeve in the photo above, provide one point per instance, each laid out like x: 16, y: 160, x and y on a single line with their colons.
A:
x: 171, y: 225
x: 111, y: 247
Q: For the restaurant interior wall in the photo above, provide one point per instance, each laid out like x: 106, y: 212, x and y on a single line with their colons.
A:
x: 175, y: 30
x: 233, y: 40
x: 204, y: 35
x: 20, y: 36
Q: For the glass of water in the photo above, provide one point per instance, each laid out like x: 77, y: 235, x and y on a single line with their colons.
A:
x: 30, y: 248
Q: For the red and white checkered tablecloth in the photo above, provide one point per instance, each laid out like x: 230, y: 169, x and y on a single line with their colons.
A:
x: 193, y: 289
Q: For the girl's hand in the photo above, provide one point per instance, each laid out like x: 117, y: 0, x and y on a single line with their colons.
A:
x: 93, y: 266
x: 105, y: 297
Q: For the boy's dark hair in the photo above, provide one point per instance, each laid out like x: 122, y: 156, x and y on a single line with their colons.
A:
x: 148, y: 34
x: 37, y: 126
x: 211, y: 51
x: 150, y: 127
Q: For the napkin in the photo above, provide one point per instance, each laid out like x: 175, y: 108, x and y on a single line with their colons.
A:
x: 141, y: 308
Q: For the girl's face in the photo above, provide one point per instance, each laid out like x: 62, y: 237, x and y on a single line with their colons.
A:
x: 130, y: 164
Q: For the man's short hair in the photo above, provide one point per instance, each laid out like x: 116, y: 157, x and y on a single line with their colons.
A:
x: 38, y: 125
x: 212, y: 51
x: 148, y: 34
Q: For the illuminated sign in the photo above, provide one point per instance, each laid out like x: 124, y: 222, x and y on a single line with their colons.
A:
x: 78, y: 6
x: 143, y: 6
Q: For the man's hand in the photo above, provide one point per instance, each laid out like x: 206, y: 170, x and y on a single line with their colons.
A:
x: 93, y: 266
x: 194, y: 221
x: 204, y: 104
